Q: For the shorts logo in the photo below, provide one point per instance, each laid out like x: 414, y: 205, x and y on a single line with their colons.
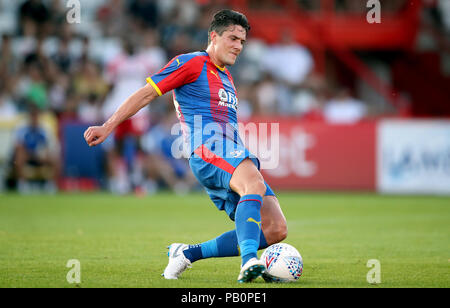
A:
x: 236, y: 153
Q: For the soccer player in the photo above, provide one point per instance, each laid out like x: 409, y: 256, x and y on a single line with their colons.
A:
x: 34, y: 158
x: 205, y: 101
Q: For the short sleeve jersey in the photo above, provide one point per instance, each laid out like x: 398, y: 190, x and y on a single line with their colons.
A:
x: 204, y: 97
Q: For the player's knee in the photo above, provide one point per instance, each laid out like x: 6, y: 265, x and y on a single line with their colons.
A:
x: 276, y: 233
x: 283, y: 233
x: 280, y: 233
x: 257, y: 187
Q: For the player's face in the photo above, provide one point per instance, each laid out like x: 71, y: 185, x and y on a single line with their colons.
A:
x: 229, y: 45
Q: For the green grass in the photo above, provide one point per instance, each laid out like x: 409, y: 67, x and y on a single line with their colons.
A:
x: 121, y: 241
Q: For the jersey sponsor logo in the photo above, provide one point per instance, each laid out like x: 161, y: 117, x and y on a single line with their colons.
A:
x: 227, y: 99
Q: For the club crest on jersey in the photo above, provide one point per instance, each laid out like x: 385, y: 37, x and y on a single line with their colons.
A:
x: 227, y: 99
x: 236, y: 154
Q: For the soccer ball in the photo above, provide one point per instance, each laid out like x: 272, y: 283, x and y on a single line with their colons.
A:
x: 283, y: 263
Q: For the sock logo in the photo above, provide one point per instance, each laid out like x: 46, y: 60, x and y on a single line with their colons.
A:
x: 256, y: 222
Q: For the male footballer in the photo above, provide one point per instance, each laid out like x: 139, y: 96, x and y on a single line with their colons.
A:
x: 205, y: 100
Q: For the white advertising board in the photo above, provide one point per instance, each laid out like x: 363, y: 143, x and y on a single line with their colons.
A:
x: 413, y: 157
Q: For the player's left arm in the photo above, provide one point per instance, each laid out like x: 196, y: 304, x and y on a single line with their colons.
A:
x: 95, y: 135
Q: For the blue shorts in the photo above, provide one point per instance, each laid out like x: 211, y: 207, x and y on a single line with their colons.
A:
x: 213, y: 164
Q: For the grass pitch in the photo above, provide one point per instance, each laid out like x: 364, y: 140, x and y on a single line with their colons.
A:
x: 121, y: 241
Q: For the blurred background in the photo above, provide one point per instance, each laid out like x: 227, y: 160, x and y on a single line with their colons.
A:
x: 360, y: 105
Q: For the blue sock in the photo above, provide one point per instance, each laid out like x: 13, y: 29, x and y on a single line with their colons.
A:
x: 193, y: 253
x: 225, y: 245
x: 248, y: 225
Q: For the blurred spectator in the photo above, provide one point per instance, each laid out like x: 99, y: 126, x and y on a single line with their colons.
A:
x: 152, y: 52
x: 178, y: 30
x: 250, y: 68
x: 246, y: 98
x: 309, y: 98
x: 90, y: 110
x: 34, y: 18
x: 62, y: 58
x: 184, y: 13
x: 70, y: 111
x: 37, y: 58
x: 84, y: 54
x: 112, y: 18
x: 199, y: 30
x: 35, y: 161
x: 305, y: 102
x: 180, y: 43
x: 36, y: 92
x: 57, y: 93
x: 273, y: 96
x: 344, y: 109
x: 8, y: 110
x: 90, y: 89
x: 266, y: 96
x: 30, y: 88
x: 160, y: 167
x: 57, y: 12
x: 288, y: 61
x: 126, y: 73
x: 9, y: 63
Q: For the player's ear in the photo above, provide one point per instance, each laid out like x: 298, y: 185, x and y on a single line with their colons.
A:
x: 213, y: 36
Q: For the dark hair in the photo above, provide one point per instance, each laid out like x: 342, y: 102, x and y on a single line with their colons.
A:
x: 225, y: 18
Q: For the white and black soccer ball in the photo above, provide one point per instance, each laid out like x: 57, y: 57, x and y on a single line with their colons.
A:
x: 283, y: 263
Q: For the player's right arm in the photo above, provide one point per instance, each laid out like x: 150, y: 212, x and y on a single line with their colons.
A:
x: 95, y: 135
x: 179, y: 71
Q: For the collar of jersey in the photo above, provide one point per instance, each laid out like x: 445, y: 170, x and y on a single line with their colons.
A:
x: 220, y: 68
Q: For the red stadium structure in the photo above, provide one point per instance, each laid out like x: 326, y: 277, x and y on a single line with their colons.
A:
x: 329, y: 33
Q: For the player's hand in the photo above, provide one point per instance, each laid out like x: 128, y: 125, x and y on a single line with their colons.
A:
x: 95, y: 135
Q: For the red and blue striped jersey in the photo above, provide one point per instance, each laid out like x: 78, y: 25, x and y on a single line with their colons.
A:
x: 204, y: 97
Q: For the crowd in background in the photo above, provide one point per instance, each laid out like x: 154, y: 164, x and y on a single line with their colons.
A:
x: 84, y: 71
